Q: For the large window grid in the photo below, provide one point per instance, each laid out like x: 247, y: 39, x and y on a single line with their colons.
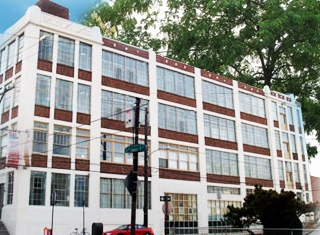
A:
x: 113, y: 194
x: 184, y: 210
x: 293, y: 143
x: 290, y: 116
x: 40, y: 137
x: 11, y: 53
x: 10, y: 183
x: 112, y: 149
x: 81, y: 190
x: 217, y: 209
x: 252, y: 105
x: 177, y: 119
x: 296, y: 172
x: 4, y: 142
x: 278, y: 140
x: 259, y: 168
x: 37, y: 188
x: 84, y: 99
x: 43, y: 88
x: 65, y: 51
x: 45, y: 46
x: 254, y: 135
x: 176, y: 83
x: 61, y: 140
x: 222, y: 163
x: 223, y: 190
x: 85, y: 54
x: 16, y: 93
x: 2, y: 60
x: 280, y: 168
x: 63, y: 96
x: 219, y: 128
x: 217, y: 95
x: 114, y: 105
x: 20, y: 47
x: 60, y: 186
x: 274, y: 111
x: 83, y: 143
x: 7, y: 100
x: 178, y: 157
x: 124, y: 68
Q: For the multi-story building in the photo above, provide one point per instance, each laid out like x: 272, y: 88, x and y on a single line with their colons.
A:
x: 65, y: 90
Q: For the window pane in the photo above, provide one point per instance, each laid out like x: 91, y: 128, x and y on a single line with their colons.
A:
x: 63, y: 95
x: 85, y: 56
x: 37, y: 188
x: 66, y: 52
x: 43, y: 88
x: 45, y: 46
x: 84, y: 99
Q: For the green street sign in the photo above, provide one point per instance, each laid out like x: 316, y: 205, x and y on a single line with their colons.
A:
x: 134, y: 148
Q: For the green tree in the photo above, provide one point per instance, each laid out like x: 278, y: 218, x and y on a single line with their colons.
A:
x: 272, y: 209
x: 258, y: 42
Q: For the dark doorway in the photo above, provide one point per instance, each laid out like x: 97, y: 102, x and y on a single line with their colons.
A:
x: 1, y: 198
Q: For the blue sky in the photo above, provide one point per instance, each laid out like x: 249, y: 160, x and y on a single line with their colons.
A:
x: 12, y: 10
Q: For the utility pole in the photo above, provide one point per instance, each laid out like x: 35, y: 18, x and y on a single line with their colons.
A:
x: 135, y: 168
x: 146, y: 206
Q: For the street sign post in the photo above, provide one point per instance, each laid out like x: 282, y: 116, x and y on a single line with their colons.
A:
x: 134, y: 148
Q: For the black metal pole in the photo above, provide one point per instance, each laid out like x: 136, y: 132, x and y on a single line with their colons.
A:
x: 135, y: 168
x: 53, y: 202
x: 146, y: 206
x: 83, y: 219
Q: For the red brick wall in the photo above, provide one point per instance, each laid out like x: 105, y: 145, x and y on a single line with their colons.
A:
x: 123, y: 85
x: 38, y: 160
x: 45, y: 65
x: 217, y: 77
x: 225, y: 179
x: 14, y: 112
x: 85, y: 75
x: 82, y: 164
x: 83, y: 118
x: 255, y: 149
x: 218, y: 109
x: 175, y: 64
x: 9, y: 73
x: 252, y: 118
x: 18, y: 67
x: 61, y: 162
x: 65, y: 70
x: 178, y: 136
x: 5, y: 117
x: 315, y: 184
x: 264, y: 183
x: 221, y: 143
x: 178, y: 175
x: 176, y: 98
x: 42, y: 111
x: 63, y: 115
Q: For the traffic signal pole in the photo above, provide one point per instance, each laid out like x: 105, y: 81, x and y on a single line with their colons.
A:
x: 135, y: 167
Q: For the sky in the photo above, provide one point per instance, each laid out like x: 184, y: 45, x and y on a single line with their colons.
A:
x: 12, y: 10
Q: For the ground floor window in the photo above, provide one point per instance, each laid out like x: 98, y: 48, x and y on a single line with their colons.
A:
x: 81, y: 190
x: 37, y: 188
x: 60, y: 188
x: 10, y: 187
x: 183, y: 218
x: 114, y: 194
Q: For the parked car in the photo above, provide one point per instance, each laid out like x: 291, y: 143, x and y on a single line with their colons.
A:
x: 126, y: 230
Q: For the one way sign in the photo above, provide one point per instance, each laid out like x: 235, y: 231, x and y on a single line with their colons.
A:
x: 165, y: 199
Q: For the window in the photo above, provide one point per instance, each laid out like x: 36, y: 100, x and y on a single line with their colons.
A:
x: 63, y: 95
x: 252, y: 105
x: 65, y: 51
x: 81, y: 190
x: 274, y: 111
x: 299, y: 120
x: 4, y: 142
x: 124, y: 68
x: 43, y: 88
x: 176, y: 83
x: 112, y: 149
x: 178, y: 157
x: 11, y: 53
x: 20, y: 47
x: 219, y: 128
x: 82, y: 145
x: 223, y: 190
x: 290, y: 116
x: 217, y: 95
x: 114, y: 105
x: 85, y: 52
x: 2, y: 60
x: 60, y: 186
x: 40, y: 137
x: 293, y: 143
x: 289, y: 177
x: 61, y: 140
x: 45, y: 46
x: 256, y: 136
x: 302, y: 146
x: 84, y: 99
x: 280, y: 167
x: 285, y: 145
x: 37, y: 195
x: 222, y: 163
x: 283, y: 118
x: 218, y: 208
x: 177, y: 119
x: 278, y: 141
x: 7, y: 99
x: 10, y: 188
x: 16, y: 94
x: 296, y: 172
x: 113, y: 194
x: 259, y: 168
